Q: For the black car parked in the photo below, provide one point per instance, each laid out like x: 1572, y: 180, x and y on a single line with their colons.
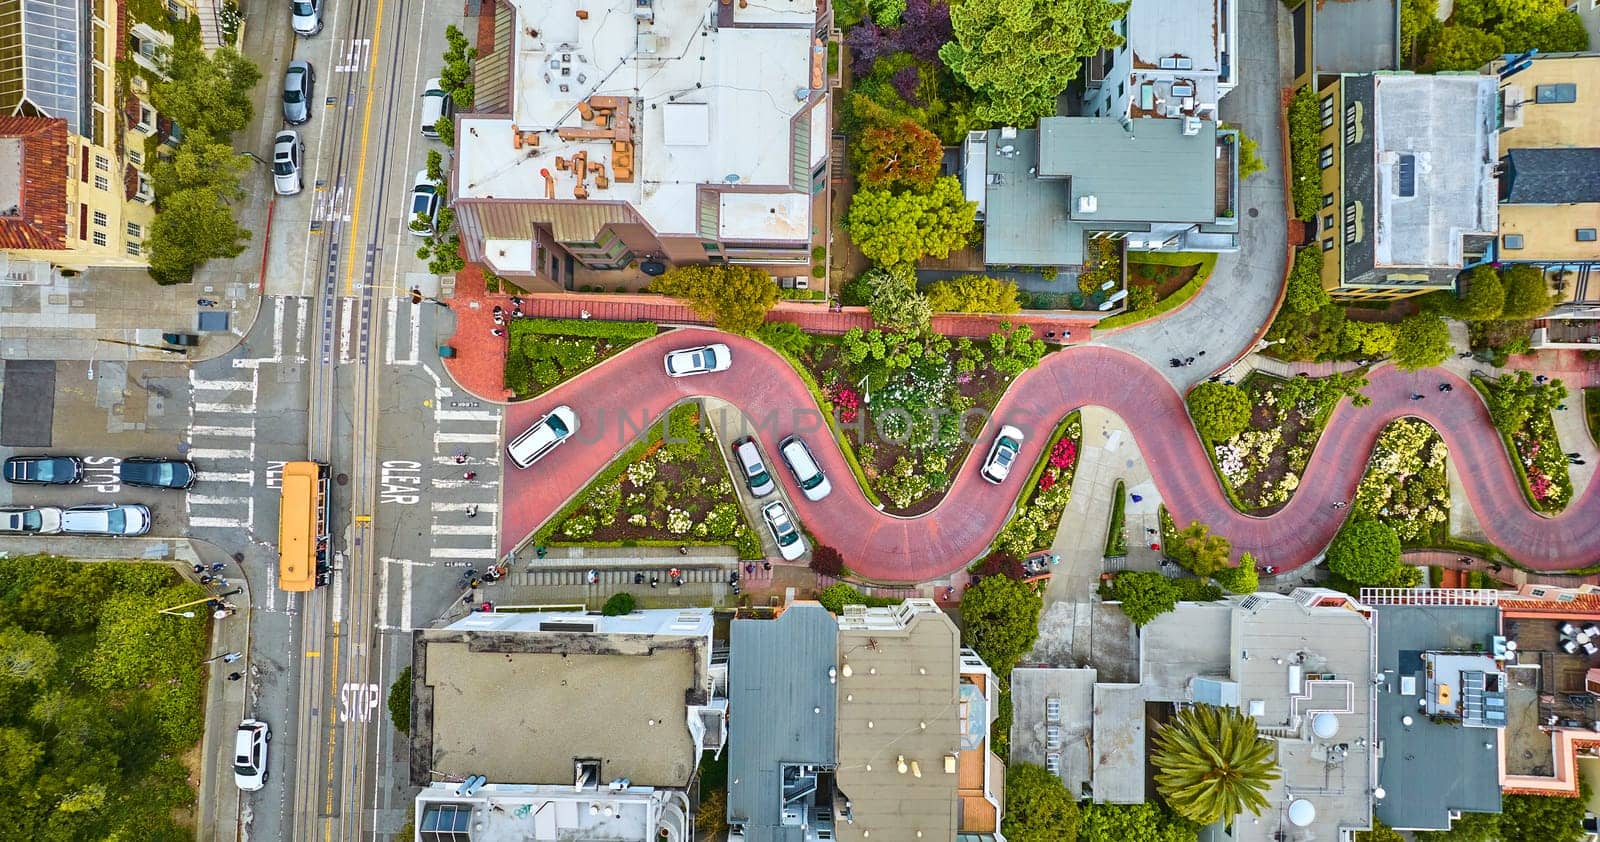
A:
x: 44, y: 470
x: 155, y: 472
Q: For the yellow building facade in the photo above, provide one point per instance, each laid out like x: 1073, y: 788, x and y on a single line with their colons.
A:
x: 1549, y: 148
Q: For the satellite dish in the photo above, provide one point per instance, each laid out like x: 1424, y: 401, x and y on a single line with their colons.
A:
x: 1325, y: 725
x: 1302, y: 812
x: 1379, y: 793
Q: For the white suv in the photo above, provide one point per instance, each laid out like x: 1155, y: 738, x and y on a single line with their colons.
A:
x: 537, y: 441
x: 250, y: 754
x: 305, y: 16
x: 287, y: 152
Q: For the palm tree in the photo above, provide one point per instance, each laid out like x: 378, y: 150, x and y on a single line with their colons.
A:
x: 1211, y: 764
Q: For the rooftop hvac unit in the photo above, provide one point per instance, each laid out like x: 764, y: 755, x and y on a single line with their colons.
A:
x: 1008, y: 132
x: 1191, y: 126
x: 644, y: 10
x: 1088, y: 204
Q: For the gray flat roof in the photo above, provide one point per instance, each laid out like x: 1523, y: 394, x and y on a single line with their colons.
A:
x: 1153, y: 173
x: 1026, y: 221
x: 781, y: 710
x: 1191, y: 640
x: 1031, y: 688
x: 1356, y: 36
x: 1119, y: 744
x: 1429, y: 769
x: 1446, y: 124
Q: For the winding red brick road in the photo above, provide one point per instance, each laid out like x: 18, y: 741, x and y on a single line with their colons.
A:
x: 617, y: 399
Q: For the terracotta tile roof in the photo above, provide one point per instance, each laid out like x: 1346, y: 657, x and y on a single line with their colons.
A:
x: 41, y: 218
x: 1583, y: 603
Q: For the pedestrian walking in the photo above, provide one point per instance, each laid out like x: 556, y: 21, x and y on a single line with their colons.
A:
x: 217, y: 566
x: 205, y: 578
x: 593, y: 576
x: 1540, y: 379
x: 1201, y: 354
x: 470, y: 475
x: 750, y: 569
x: 461, y: 458
x: 466, y: 600
x: 584, y: 314
x: 472, y: 510
x: 497, y: 332
x: 1416, y: 397
x: 683, y: 550
x: 231, y: 657
x: 1189, y: 361
x: 205, y: 302
x: 653, y: 580
x: 540, y: 551
x: 767, y: 566
x: 198, y: 569
x: 235, y: 676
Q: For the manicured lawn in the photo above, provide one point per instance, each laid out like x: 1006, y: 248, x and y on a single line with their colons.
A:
x: 662, y: 491
x: 543, y: 353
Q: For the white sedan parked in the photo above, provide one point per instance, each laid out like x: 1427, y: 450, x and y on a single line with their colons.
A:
x: 790, y: 545
x: 702, y: 360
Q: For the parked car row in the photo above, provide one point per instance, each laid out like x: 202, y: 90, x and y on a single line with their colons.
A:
x: 114, y: 519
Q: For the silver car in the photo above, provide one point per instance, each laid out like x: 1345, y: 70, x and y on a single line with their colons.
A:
x: 30, y: 520
x: 116, y: 519
x: 790, y: 545
x: 305, y: 16
x: 287, y: 154
x: 299, y: 88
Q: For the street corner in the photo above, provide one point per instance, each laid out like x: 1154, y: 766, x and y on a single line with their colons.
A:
x: 475, y: 355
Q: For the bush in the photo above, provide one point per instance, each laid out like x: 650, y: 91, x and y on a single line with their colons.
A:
x: 1305, y: 293
x: 1305, y: 143
x: 1527, y: 294
x: 973, y: 294
x: 400, y: 702
x: 1000, y: 621
x: 1038, y: 806
x: 826, y: 561
x: 1144, y: 595
x: 1422, y: 341
x: 999, y: 563
x: 618, y: 605
x: 1220, y: 411
x: 1366, y: 552
x: 590, y: 328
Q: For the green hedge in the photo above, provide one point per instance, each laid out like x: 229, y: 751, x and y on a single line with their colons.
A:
x: 590, y: 328
x: 1171, y: 302
x: 1305, y: 143
x: 1116, y: 534
x: 1591, y: 411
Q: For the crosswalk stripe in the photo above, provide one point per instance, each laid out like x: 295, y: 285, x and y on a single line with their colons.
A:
x: 467, y: 438
x: 451, y: 460
x: 220, y: 385
x: 462, y: 552
x: 208, y: 500
x: 217, y: 453
x: 466, y: 415
x: 464, y: 529
x: 464, y: 483
x: 246, y: 477
x: 388, y: 340
x: 235, y: 408
x: 219, y: 522
x: 277, y: 326
x: 483, y: 508
x: 226, y: 432
x: 416, y: 335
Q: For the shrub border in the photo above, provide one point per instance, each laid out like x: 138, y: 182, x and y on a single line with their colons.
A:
x: 1516, y: 463
x: 1116, y: 539
x: 1172, y: 302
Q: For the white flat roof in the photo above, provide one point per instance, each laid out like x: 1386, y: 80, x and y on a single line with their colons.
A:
x: 707, y: 106
x: 765, y: 216
x: 509, y: 255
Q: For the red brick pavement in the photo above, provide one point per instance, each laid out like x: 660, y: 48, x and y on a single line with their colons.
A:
x: 891, y: 549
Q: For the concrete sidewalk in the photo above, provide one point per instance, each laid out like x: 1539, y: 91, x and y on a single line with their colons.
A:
x: 106, y: 314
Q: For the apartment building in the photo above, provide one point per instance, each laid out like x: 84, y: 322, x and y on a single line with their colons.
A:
x: 1178, y: 58
x: 1408, y: 186
x: 674, y: 131
x: 62, y: 71
x: 564, y: 725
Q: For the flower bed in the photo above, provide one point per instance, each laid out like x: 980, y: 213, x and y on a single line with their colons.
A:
x: 1033, y: 525
x: 1261, y: 466
x: 1521, y: 409
x: 672, y: 491
x: 908, y: 408
x: 542, y: 353
x: 1406, y: 485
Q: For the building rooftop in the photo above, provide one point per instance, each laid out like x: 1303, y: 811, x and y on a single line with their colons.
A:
x: 901, y: 702
x: 1434, y: 156
x: 1429, y: 769
x: 1119, y: 744
x: 517, y: 813
x: 1177, y: 45
x: 620, y: 691
x: 654, y: 102
x: 1052, y: 713
x: 1540, y: 113
x: 781, y: 705
x: 1026, y: 221
x: 33, y: 183
x: 1192, y: 639
x: 1356, y: 36
x: 1551, y: 176
x: 1153, y: 173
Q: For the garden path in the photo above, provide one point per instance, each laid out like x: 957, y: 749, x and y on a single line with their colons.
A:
x: 616, y: 399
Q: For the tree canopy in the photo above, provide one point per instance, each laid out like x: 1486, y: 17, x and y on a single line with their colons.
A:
x: 1239, y: 579
x: 1211, y: 764
x: 1527, y: 294
x: 1038, y: 806
x: 1482, y: 297
x: 973, y: 294
x: 1147, y: 822
x: 1423, y: 341
x: 1019, y: 55
x: 735, y: 298
x: 894, y: 228
x: 1145, y: 595
x: 1515, y: 397
x: 191, y: 227
x: 1200, y: 552
x: 210, y: 95
x: 1000, y: 621
x: 1304, y: 292
x: 901, y: 155
x: 1366, y: 552
x: 894, y: 302
x: 1220, y: 411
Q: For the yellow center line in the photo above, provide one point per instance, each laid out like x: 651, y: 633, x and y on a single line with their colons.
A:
x: 361, y: 167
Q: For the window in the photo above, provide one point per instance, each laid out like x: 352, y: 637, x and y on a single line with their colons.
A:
x: 102, y: 183
x: 99, y: 238
x: 102, y: 163
x: 147, y: 118
x: 1327, y: 199
x: 1551, y: 94
x: 1327, y: 111
x: 1352, y: 124
x: 136, y: 157
x: 145, y: 193
x: 1351, y: 229
x: 133, y: 248
x: 1327, y: 222
x: 1121, y: 86
x: 1586, y: 235
x: 1327, y: 244
x: 1511, y: 241
x: 100, y: 219
x: 1327, y: 157
x: 134, y: 230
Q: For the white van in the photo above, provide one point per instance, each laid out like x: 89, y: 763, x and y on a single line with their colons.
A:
x: 755, y: 470
x: 806, y: 472
x: 435, y: 104
x: 543, y: 437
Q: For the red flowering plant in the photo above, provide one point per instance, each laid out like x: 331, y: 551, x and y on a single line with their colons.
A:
x: 847, y: 401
